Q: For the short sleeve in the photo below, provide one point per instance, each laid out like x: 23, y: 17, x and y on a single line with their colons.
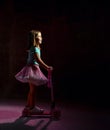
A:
x: 37, y: 50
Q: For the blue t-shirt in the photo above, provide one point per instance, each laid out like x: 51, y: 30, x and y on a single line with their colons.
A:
x: 32, y: 51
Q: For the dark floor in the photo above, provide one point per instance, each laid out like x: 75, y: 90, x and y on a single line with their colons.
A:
x: 73, y: 117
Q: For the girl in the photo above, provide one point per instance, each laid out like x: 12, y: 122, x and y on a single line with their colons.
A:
x: 31, y: 73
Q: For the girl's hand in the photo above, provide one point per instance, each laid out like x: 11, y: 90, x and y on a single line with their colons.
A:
x: 50, y: 68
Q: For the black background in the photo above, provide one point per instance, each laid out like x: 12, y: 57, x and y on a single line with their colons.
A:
x: 75, y: 43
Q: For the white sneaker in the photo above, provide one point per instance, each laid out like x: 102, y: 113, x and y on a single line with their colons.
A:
x: 36, y: 110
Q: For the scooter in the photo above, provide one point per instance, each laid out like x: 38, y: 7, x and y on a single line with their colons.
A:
x: 54, y: 112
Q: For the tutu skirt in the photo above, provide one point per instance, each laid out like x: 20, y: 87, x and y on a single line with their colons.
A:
x: 31, y: 74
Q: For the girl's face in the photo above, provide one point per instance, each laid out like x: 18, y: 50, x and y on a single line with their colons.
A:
x: 38, y: 38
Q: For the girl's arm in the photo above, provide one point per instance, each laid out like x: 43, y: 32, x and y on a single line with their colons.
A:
x: 41, y: 62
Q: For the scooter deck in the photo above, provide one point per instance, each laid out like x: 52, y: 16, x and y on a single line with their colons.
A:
x: 45, y: 114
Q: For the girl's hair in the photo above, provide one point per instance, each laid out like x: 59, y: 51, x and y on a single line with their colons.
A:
x: 31, y: 38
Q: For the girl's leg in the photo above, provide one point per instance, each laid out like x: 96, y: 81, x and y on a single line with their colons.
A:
x: 31, y: 96
x: 31, y: 100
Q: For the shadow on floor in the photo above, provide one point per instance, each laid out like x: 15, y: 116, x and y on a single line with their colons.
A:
x: 22, y: 123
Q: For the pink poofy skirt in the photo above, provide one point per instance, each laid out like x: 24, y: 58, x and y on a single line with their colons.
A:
x: 31, y: 74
